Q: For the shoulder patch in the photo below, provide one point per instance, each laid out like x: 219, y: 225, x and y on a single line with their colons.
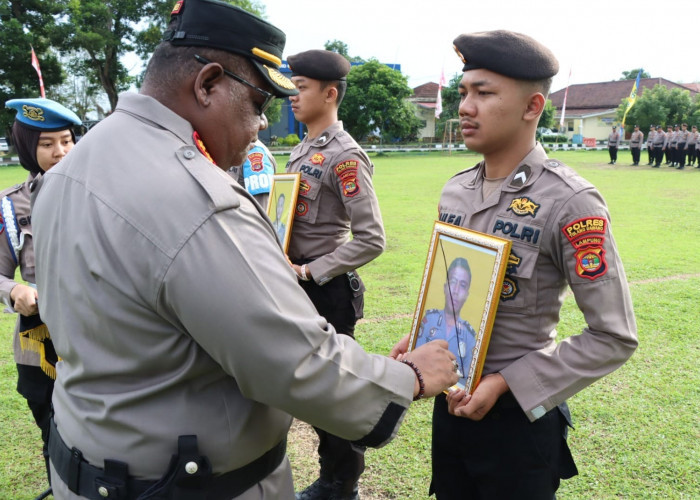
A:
x: 347, y: 173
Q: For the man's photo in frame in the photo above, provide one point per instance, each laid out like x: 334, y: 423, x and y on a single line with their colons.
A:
x: 460, y: 292
x: 280, y: 207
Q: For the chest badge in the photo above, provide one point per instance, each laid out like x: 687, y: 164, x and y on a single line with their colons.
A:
x: 524, y: 206
x: 318, y: 159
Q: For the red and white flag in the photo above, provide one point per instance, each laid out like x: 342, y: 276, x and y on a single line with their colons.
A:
x: 563, y: 107
x: 438, y: 102
x: 35, y: 63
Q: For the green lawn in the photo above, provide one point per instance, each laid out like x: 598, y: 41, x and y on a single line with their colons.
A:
x: 637, y: 431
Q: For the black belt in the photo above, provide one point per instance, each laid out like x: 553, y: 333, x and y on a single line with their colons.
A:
x: 92, y: 482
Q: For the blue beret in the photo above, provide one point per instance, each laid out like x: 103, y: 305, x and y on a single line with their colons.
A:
x: 43, y: 114
x: 507, y: 53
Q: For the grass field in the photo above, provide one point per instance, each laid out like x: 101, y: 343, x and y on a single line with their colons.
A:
x: 637, y: 431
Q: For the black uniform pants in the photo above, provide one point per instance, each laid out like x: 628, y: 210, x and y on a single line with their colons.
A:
x: 37, y: 388
x: 651, y: 155
x: 502, y: 456
x: 341, y: 306
x: 636, y: 152
x: 613, y: 153
x: 660, y: 156
x: 680, y: 154
x: 691, y: 154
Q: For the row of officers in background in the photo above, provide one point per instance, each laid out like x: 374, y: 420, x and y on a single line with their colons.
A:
x: 678, y: 145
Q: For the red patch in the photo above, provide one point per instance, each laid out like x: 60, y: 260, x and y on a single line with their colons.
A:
x: 590, y: 263
x: 346, y: 168
x: 177, y: 7
x: 302, y: 208
x: 318, y: 159
x: 2, y: 224
x: 587, y: 227
x: 350, y: 187
x: 256, y: 161
x: 304, y: 188
x: 202, y: 148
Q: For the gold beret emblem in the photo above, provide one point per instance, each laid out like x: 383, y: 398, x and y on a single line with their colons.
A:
x: 33, y: 113
x: 279, y: 78
x: 464, y: 61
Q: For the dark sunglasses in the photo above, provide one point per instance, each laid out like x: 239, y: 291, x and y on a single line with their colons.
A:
x: 268, y: 96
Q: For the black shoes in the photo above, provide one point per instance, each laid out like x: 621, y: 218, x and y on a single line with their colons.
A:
x: 324, y: 490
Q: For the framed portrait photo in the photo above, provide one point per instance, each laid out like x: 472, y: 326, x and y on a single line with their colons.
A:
x: 459, y: 295
x: 282, y: 204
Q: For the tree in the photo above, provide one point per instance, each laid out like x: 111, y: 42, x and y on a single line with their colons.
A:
x: 660, y: 106
x: 22, y: 26
x: 376, y: 102
x: 632, y: 74
x: 342, y: 49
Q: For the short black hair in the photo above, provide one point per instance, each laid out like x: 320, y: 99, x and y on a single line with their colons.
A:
x: 341, y: 85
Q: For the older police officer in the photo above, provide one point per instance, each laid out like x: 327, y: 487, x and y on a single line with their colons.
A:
x: 184, y: 354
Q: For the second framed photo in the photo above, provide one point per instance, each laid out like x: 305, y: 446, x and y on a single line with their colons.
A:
x: 282, y: 204
x: 459, y: 295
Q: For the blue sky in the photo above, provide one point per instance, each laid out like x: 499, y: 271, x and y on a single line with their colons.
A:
x: 597, y: 39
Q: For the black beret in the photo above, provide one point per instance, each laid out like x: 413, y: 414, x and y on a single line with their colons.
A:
x: 319, y: 65
x: 219, y: 25
x: 507, y: 53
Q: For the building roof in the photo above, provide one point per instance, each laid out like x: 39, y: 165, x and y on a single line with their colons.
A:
x: 695, y: 87
x: 425, y: 93
x: 591, y: 98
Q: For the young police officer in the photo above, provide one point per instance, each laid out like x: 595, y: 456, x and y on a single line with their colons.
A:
x: 177, y: 339
x: 336, y: 200
x: 508, y: 438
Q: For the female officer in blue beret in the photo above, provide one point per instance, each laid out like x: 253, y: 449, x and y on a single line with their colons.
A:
x: 43, y: 135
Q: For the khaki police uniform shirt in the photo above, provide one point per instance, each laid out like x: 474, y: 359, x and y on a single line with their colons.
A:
x: 336, y: 201
x: 650, y: 138
x: 20, y: 196
x: 637, y: 139
x: 613, y: 139
x: 692, y: 139
x: 560, y: 229
x: 659, y: 139
x: 175, y: 310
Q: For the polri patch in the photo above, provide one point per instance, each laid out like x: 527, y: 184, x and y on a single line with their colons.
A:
x: 524, y: 206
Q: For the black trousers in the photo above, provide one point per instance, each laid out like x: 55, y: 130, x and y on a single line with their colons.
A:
x: 680, y: 154
x: 635, y: 155
x: 659, y: 156
x: 650, y: 155
x: 37, y: 388
x: 613, y: 153
x: 341, y: 306
x: 691, y: 154
x: 503, y: 456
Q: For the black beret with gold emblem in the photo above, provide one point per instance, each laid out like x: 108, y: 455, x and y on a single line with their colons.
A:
x: 319, y: 65
x: 507, y: 53
x: 219, y: 25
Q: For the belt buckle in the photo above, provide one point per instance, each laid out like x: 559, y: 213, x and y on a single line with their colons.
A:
x: 354, y: 281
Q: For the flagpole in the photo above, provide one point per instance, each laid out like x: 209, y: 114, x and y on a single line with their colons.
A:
x: 35, y: 64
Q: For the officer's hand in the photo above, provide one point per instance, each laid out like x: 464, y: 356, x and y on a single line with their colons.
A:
x: 437, y: 365
x: 400, y: 348
x: 24, y: 299
x: 475, y: 406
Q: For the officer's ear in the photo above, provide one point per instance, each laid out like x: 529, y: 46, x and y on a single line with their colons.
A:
x: 534, y: 106
x: 331, y: 93
x: 208, y: 82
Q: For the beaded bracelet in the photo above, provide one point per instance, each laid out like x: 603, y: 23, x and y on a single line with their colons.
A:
x: 421, y: 382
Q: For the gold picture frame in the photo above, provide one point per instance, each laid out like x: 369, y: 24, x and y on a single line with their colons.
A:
x: 459, y: 295
x: 281, y: 205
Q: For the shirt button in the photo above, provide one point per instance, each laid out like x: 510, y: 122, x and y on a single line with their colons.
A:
x: 103, y: 491
x: 191, y: 467
x: 189, y: 154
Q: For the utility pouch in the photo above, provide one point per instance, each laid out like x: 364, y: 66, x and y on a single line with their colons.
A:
x: 187, y: 477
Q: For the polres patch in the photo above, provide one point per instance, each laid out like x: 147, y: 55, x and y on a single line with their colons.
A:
x: 524, y: 206
x: 256, y: 161
x: 583, y: 227
x: 350, y: 187
x: 510, y: 288
x: 345, y: 168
